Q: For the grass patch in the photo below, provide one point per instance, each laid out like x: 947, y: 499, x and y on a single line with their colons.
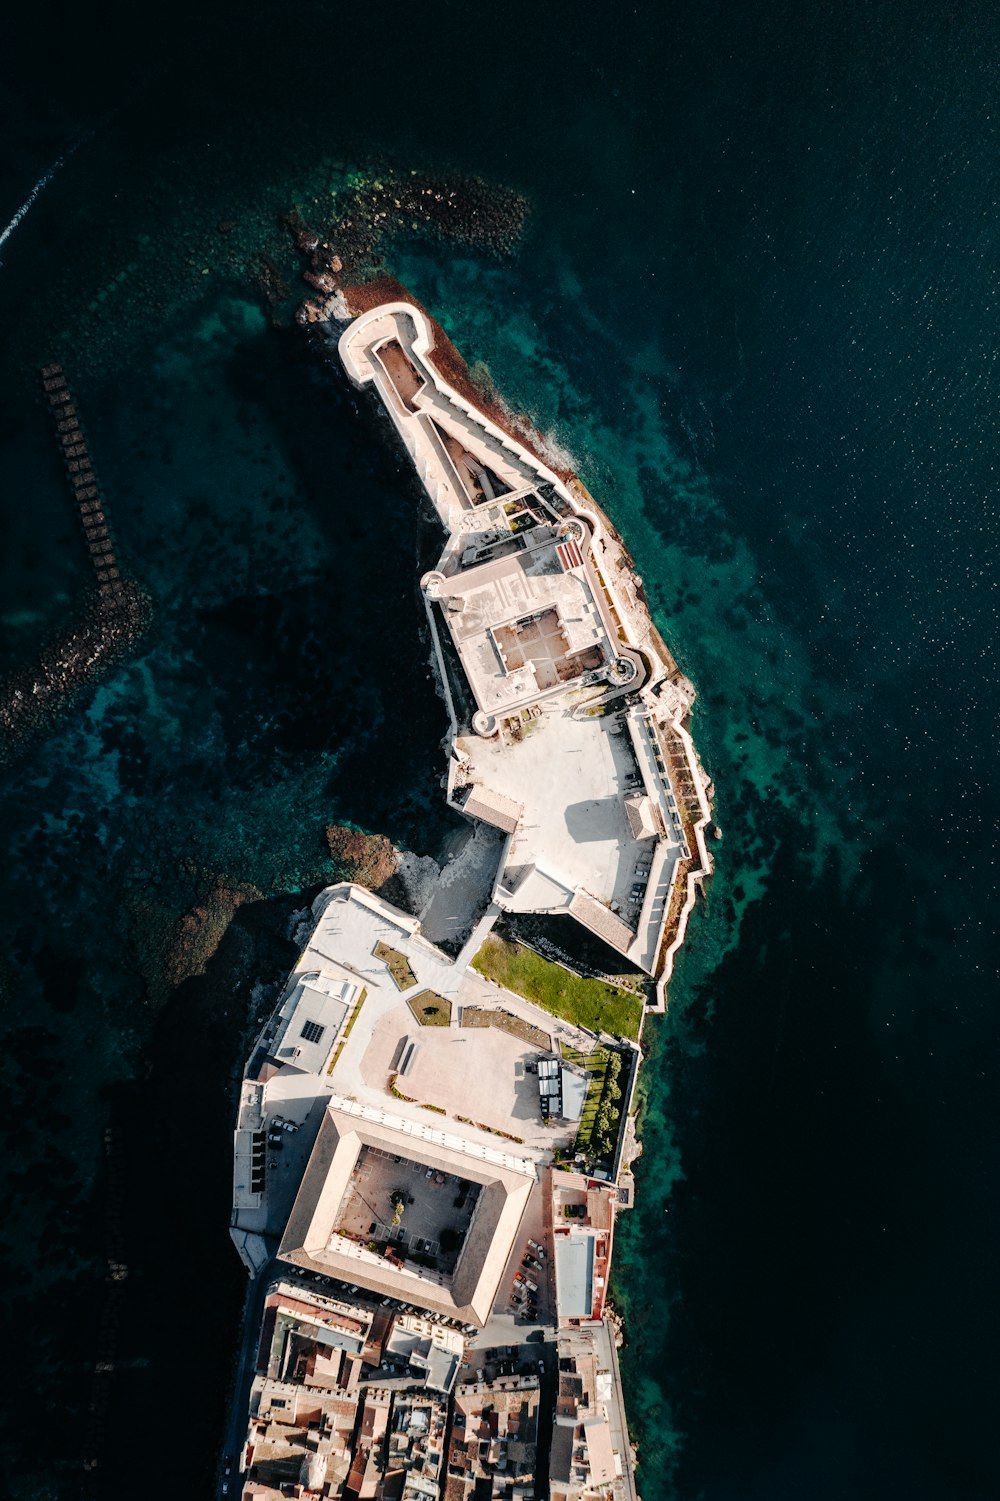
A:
x: 430, y: 1009
x: 347, y: 1030
x: 398, y: 1094
x: 397, y: 964
x: 588, y: 1003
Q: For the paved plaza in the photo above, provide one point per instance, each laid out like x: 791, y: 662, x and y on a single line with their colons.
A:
x: 480, y: 1073
x: 570, y: 777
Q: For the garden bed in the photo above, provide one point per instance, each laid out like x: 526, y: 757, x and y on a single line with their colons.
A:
x: 430, y: 1009
x: 397, y: 964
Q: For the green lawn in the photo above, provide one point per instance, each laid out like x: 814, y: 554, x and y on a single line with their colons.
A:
x: 588, y: 1003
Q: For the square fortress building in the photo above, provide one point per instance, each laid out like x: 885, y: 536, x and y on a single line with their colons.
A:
x: 410, y: 1213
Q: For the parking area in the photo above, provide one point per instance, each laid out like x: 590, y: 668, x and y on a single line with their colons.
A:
x: 526, y: 1294
x: 516, y: 1356
x: 287, y: 1152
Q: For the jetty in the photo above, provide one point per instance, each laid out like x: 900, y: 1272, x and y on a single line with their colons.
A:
x: 86, y: 490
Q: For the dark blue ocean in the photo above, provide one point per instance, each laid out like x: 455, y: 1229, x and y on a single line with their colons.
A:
x: 757, y: 301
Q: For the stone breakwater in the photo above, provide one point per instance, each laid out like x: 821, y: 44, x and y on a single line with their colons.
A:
x: 110, y: 617
x: 101, y: 635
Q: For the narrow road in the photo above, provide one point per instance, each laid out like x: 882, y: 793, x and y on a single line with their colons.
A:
x: 617, y: 1418
x: 236, y: 1428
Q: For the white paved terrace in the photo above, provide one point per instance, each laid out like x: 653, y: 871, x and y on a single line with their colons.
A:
x: 569, y: 776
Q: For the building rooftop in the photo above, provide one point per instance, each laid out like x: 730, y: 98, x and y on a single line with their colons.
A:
x: 600, y: 1455
x: 523, y: 626
x: 583, y: 1221
x: 317, y: 1239
x: 435, y: 1350
x: 575, y: 1276
x: 493, y: 1437
x: 311, y: 1018
x: 590, y: 1453
x: 568, y: 777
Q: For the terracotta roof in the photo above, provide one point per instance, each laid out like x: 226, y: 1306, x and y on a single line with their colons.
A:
x: 599, y: 1211
x: 600, y: 920
x: 311, y: 1241
x: 493, y: 807
x: 642, y: 819
x: 569, y: 555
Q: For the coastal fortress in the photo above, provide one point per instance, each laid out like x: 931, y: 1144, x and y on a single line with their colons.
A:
x: 428, y: 1165
x: 579, y: 706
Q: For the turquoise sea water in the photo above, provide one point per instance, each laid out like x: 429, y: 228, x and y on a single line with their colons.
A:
x: 756, y: 303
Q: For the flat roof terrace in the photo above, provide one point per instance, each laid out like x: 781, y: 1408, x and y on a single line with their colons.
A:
x: 351, y: 924
x: 451, y: 448
x: 312, y: 1016
x: 523, y: 626
x: 314, y: 1236
x: 447, y: 1069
